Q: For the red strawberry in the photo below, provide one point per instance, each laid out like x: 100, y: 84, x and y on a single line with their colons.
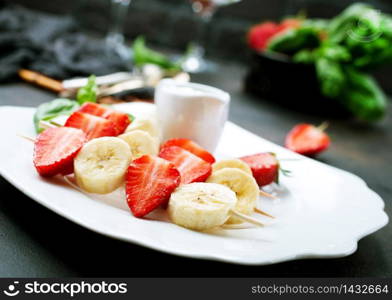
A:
x: 191, y: 167
x: 55, y: 149
x: 307, y: 139
x: 264, y: 166
x: 260, y: 34
x: 149, y: 184
x: 93, y: 126
x: 120, y: 120
x: 191, y: 147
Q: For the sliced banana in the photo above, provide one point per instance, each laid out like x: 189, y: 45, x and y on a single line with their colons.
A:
x: 232, y: 163
x: 140, y: 142
x: 146, y: 123
x: 243, y: 184
x: 101, y: 164
x: 201, y: 206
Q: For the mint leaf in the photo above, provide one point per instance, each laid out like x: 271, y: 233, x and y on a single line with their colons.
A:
x: 49, y: 110
x: 88, y: 93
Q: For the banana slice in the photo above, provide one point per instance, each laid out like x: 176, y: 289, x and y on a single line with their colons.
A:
x: 146, y: 123
x: 101, y: 164
x: 232, y: 163
x: 140, y: 142
x: 245, y: 187
x: 201, y: 206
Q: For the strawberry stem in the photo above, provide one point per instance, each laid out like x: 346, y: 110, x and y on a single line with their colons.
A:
x: 286, y: 172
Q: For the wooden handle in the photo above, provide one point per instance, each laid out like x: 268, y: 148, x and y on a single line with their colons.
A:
x: 41, y: 80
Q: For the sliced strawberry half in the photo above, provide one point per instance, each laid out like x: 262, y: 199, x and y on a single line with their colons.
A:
x: 307, y: 139
x: 55, y: 149
x: 120, y: 120
x: 93, y: 126
x: 149, y: 184
x: 192, y: 168
x: 264, y: 166
x: 192, y: 147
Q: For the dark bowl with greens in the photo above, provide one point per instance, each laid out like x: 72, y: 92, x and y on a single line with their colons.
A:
x: 324, y: 65
x: 275, y: 77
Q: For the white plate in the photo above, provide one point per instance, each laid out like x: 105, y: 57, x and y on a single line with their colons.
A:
x: 321, y: 212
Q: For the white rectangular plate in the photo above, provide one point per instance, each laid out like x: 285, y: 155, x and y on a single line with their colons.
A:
x: 320, y: 212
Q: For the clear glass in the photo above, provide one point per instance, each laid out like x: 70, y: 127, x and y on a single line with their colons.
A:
x: 115, y: 35
x: 195, y: 61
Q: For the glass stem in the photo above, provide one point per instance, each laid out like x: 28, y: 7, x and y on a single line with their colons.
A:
x: 201, y: 40
x: 119, y: 10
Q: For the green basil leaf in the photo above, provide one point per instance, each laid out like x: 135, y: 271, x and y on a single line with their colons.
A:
x: 88, y: 93
x: 49, y: 110
x: 144, y: 55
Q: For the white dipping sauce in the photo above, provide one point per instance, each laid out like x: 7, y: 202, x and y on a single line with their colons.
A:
x: 193, y: 111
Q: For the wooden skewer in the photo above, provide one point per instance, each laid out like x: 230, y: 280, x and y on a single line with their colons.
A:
x: 246, y: 218
x: 234, y: 212
x: 289, y: 159
x: 30, y: 139
x: 236, y: 226
x: 46, y: 125
x: 261, y: 212
x: 70, y: 183
x: 263, y: 193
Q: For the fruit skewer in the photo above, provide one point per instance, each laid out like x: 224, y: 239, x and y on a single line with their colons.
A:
x: 234, y: 212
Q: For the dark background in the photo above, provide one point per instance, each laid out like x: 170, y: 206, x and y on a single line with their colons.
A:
x: 171, y: 23
x: 36, y: 242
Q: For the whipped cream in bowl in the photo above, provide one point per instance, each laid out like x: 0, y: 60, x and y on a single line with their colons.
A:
x: 190, y: 110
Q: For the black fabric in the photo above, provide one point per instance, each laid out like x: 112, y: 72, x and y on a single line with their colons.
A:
x: 51, y: 45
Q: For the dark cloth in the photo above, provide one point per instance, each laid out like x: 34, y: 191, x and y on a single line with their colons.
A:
x: 51, y: 45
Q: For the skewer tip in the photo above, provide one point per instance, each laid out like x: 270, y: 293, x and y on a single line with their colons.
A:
x: 261, y: 212
x: 263, y: 193
x: 246, y: 218
x: 28, y: 138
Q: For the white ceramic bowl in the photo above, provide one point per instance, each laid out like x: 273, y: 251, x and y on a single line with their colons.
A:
x: 193, y: 111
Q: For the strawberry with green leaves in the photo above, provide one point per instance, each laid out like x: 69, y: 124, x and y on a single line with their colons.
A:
x: 265, y: 167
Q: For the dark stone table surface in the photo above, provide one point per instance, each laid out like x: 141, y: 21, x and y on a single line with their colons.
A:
x: 36, y: 242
